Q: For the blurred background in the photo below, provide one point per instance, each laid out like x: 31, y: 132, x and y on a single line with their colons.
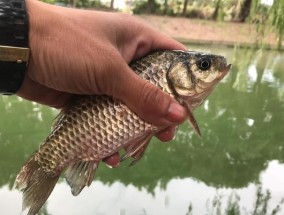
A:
x: 236, y: 168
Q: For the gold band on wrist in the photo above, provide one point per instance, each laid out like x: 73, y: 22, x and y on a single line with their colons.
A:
x: 14, y: 54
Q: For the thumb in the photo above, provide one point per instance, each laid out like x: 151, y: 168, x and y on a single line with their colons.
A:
x: 146, y: 99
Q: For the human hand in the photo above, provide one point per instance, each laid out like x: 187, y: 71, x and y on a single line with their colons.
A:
x: 88, y: 52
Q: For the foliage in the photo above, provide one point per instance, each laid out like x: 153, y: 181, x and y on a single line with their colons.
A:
x: 149, y: 7
x: 174, y: 7
x: 259, y: 17
x: 49, y: 1
x: 222, y: 10
x: 277, y: 13
x: 267, y: 18
x: 78, y: 3
x: 260, y: 207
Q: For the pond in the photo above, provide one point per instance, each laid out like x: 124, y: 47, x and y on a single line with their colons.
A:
x: 235, y: 168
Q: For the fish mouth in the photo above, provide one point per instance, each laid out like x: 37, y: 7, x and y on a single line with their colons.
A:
x: 227, y: 68
x: 224, y: 71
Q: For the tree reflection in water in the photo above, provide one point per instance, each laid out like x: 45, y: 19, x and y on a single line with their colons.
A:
x: 242, y: 126
x: 217, y: 206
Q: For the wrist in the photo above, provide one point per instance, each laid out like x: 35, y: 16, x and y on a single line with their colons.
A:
x: 43, y: 34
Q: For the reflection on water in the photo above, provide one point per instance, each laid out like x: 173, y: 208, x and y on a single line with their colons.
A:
x: 241, y: 149
x: 179, y: 196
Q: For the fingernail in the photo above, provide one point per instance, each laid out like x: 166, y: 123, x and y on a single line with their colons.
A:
x: 176, y: 113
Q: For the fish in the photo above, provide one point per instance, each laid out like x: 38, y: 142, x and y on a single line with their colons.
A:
x: 93, y: 127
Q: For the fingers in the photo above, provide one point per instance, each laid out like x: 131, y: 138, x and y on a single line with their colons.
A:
x: 161, y: 41
x: 145, y: 99
x: 34, y: 91
x: 113, y: 160
x: 167, y: 134
x: 133, y: 44
x: 158, y: 40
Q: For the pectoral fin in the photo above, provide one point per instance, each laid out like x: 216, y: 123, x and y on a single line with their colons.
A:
x: 136, y: 150
x: 191, y: 119
x: 193, y: 122
x: 180, y: 85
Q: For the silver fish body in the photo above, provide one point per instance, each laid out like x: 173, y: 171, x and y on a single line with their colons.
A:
x: 92, y: 128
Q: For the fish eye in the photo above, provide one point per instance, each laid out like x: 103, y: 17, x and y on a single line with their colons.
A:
x: 203, y: 63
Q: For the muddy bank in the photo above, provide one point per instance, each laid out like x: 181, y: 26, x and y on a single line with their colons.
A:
x: 204, y: 31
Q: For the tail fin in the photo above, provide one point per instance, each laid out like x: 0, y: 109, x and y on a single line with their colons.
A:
x: 35, y: 184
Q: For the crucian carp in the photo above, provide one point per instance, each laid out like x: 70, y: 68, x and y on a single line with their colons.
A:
x: 92, y: 128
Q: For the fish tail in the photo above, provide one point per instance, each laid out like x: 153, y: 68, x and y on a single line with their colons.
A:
x: 35, y: 184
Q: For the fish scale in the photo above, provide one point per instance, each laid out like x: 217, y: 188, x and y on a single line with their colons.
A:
x: 92, y: 128
x: 100, y: 140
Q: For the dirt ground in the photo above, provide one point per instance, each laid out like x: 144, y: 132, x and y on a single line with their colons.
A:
x: 204, y: 31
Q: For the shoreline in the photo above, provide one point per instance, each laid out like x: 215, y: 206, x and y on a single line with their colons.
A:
x: 226, y: 44
x: 206, y: 32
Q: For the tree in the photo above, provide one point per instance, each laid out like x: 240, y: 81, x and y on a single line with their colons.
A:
x: 269, y: 16
x: 243, y: 10
x: 166, y: 7
x: 185, y: 3
x: 73, y: 3
x: 112, y: 4
x: 216, y: 10
x: 151, y: 6
x: 277, y: 13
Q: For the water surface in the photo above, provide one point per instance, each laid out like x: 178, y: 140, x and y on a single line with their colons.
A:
x: 236, y: 167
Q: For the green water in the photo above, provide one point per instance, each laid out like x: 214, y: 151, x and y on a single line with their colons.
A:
x: 236, y: 168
